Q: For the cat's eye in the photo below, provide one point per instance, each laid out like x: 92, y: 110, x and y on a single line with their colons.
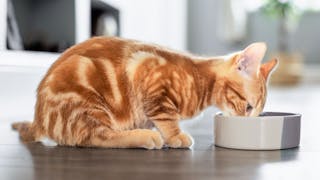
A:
x: 249, y: 108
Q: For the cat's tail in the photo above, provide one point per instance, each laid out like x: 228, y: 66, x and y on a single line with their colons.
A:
x: 25, y: 130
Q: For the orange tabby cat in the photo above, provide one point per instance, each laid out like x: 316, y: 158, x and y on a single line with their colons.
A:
x: 109, y: 92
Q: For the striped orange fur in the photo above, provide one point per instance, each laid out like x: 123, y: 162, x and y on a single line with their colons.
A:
x: 110, y: 92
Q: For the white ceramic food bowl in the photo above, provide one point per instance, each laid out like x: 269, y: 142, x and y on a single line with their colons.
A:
x: 269, y: 131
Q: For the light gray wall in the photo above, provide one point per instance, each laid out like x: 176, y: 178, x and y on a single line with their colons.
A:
x: 305, y: 39
x: 203, y: 38
x: 202, y: 28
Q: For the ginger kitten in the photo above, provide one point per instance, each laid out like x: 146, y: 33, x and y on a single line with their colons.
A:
x: 110, y: 92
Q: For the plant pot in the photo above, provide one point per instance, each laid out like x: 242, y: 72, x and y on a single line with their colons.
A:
x: 289, y: 71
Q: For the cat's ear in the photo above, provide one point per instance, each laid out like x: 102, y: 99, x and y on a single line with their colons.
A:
x: 267, y: 68
x: 250, y: 58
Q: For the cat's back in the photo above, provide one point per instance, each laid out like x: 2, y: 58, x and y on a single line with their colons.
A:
x: 119, y: 49
x: 111, y: 48
x: 113, y: 58
x: 118, y: 52
x: 81, y: 58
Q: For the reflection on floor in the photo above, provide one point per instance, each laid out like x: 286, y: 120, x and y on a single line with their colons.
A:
x: 203, y: 161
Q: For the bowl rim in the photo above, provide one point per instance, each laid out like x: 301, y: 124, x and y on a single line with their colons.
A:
x: 280, y: 114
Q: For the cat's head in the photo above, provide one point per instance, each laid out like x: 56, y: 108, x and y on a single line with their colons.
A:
x: 243, y: 81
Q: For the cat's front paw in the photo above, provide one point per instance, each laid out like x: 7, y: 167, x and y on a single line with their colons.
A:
x: 181, y: 140
x: 153, y: 140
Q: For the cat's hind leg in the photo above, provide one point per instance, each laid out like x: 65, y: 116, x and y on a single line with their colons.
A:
x: 74, y: 125
x: 96, y: 129
x: 137, y: 138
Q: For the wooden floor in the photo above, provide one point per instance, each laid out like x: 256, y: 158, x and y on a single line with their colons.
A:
x: 202, y: 161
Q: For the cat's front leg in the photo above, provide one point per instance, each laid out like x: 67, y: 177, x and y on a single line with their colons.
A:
x: 172, y: 134
x: 166, y: 119
x: 161, y: 106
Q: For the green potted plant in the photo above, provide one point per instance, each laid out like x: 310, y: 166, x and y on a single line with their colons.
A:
x: 290, y: 67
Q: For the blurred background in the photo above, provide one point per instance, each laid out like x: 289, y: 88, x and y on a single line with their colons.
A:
x: 34, y: 32
x: 41, y: 29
